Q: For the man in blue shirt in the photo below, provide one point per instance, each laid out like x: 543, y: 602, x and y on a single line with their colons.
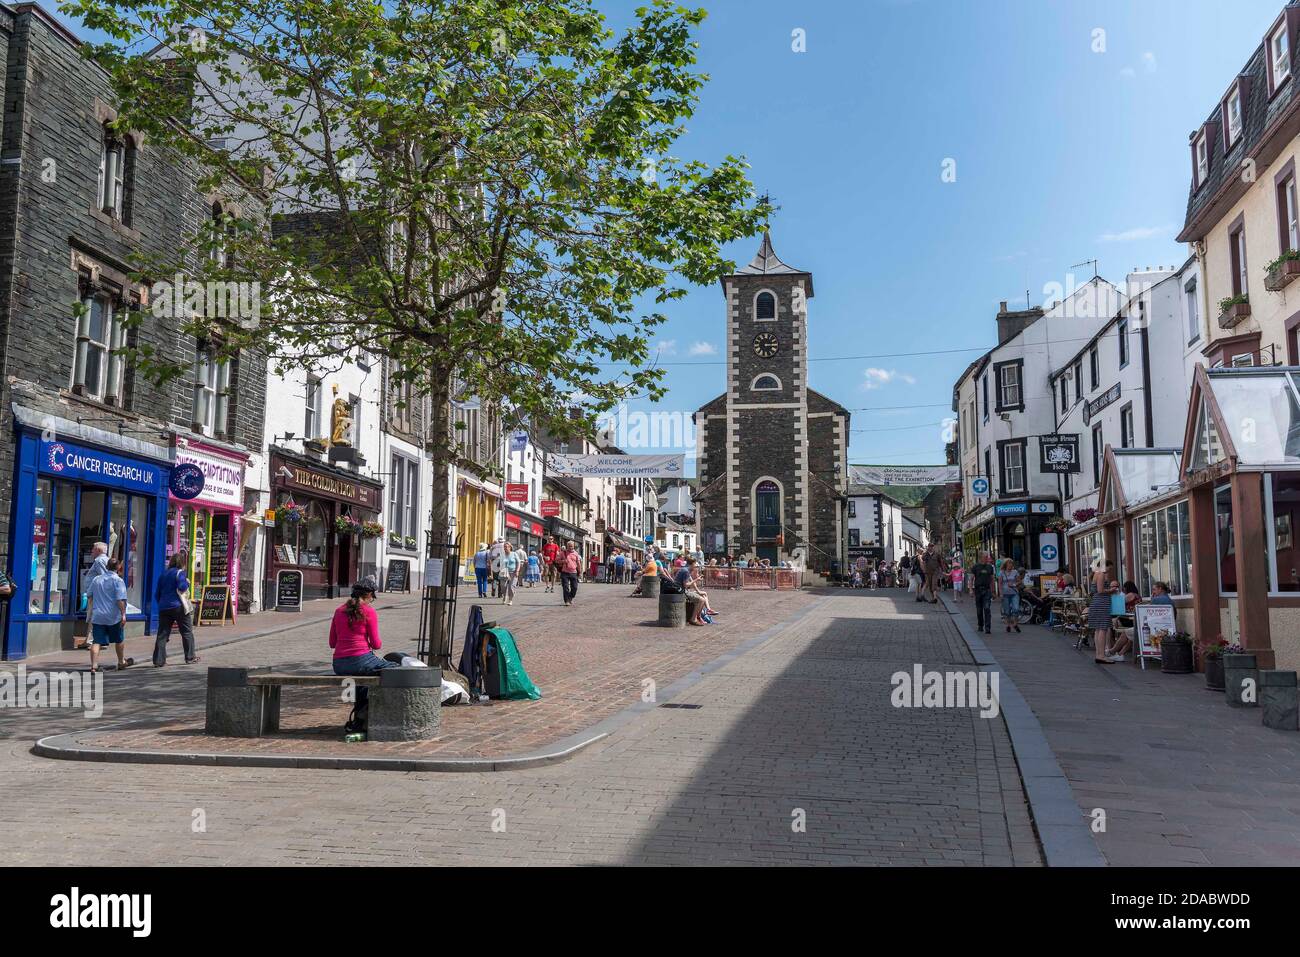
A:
x: 1160, y: 594
x: 108, y: 615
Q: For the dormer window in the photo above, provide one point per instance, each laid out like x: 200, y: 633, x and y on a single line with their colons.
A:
x: 1202, y: 159
x: 765, y: 306
x: 1279, y: 55
x: 1233, y: 111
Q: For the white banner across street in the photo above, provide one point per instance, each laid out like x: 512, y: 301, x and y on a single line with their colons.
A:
x: 904, y: 474
x: 616, y: 466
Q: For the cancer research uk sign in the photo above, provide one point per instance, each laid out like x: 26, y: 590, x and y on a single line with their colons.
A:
x: 80, y: 464
x: 616, y: 466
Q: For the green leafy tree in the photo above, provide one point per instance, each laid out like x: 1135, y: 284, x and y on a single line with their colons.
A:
x: 481, y: 190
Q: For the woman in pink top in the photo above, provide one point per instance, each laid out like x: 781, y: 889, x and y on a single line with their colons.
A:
x: 354, y: 636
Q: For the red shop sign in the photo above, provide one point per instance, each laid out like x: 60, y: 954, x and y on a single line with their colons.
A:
x: 513, y: 521
x: 516, y: 492
x: 537, y: 529
x: 550, y: 507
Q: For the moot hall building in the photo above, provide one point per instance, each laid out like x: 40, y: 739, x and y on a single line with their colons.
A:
x: 772, y: 453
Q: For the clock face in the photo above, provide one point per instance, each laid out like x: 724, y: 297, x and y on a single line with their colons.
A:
x: 766, y: 345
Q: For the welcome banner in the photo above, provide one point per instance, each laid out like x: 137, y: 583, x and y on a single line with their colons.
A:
x: 904, y: 474
x: 616, y: 466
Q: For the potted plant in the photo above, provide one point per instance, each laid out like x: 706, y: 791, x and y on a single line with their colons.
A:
x: 1176, y: 654
x: 412, y: 542
x: 394, y: 540
x: 1233, y: 309
x: 1212, y: 656
x: 1280, y: 272
x: 1085, y: 515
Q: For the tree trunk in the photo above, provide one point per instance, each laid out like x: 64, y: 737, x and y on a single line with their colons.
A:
x: 443, y: 541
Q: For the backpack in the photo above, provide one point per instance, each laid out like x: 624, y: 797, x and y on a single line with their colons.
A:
x: 670, y: 586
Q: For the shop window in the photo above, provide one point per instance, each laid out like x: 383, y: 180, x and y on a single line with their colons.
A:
x: 1223, y: 525
x: 314, y: 537
x: 1284, y: 514
x: 41, y: 566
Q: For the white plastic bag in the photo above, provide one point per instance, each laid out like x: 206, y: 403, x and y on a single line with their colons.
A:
x: 911, y: 584
x: 451, y: 689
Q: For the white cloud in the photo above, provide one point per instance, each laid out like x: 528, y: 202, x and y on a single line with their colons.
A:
x: 703, y: 349
x: 874, y: 378
x: 666, y: 347
x: 1134, y: 234
x: 1149, y: 61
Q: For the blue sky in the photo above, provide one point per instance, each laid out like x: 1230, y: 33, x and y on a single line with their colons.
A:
x: 1062, y: 155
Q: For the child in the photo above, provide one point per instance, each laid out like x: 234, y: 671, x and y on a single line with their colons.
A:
x: 871, y: 578
x: 958, y: 579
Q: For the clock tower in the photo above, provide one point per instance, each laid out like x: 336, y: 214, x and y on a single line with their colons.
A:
x: 772, y: 453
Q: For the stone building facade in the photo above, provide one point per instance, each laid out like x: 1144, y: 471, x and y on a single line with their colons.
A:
x: 87, y: 441
x: 772, y: 452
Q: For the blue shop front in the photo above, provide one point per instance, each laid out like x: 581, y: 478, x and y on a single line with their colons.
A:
x: 68, y: 495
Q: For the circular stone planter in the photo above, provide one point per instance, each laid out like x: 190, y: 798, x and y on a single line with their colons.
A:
x: 1176, y: 657
x: 1214, y: 674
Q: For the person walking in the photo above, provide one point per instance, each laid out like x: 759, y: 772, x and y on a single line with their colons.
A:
x: 354, y: 636
x: 570, y: 566
x: 481, y: 569
x: 983, y: 577
x: 1009, y: 586
x: 619, y: 563
x: 534, y: 568
x: 172, y: 596
x: 550, y: 562
x: 98, y: 564
x: 108, y: 615
x: 932, y: 566
x: 505, y: 568
x: 494, y: 552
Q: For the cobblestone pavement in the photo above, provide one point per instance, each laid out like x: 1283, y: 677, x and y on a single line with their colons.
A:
x: 795, y: 756
x: 1182, y: 778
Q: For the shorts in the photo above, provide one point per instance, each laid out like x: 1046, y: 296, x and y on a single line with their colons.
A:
x: 107, y: 634
x: 956, y: 586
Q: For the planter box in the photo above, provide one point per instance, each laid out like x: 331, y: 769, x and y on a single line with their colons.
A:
x: 1235, y: 315
x: 1176, y: 657
x: 1214, y: 674
x: 1280, y: 276
x: 1237, y: 671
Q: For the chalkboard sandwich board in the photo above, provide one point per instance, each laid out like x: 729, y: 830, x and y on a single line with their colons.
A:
x: 399, y: 576
x: 288, y: 590
x: 212, y: 607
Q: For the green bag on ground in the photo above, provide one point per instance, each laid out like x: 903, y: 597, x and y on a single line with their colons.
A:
x: 514, y: 682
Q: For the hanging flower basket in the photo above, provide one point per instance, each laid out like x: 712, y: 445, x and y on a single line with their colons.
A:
x: 289, y: 512
x: 371, y: 530
x: 1058, y: 525
x: 1085, y: 515
x: 347, y: 525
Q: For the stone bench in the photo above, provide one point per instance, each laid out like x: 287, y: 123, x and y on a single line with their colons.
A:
x: 404, y: 704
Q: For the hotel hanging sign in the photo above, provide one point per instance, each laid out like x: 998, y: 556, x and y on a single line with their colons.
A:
x: 1058, y: 453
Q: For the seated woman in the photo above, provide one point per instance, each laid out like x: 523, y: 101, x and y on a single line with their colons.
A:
x: 688, y: 577
x: 354, y: 636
